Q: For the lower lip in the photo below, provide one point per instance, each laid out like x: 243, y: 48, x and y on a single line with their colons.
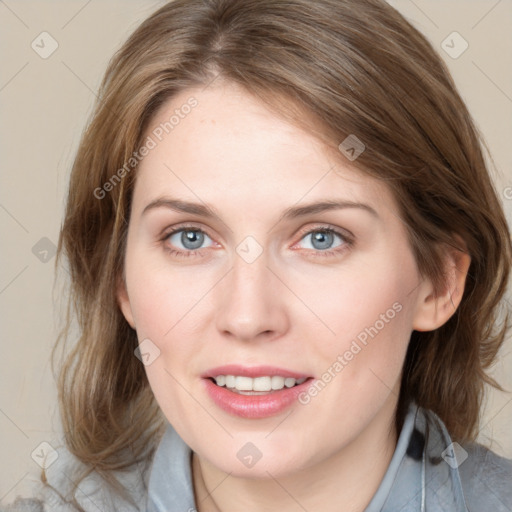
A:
x: 254, y: 406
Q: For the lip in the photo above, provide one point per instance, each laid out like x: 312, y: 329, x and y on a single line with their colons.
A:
x: 253, y: 406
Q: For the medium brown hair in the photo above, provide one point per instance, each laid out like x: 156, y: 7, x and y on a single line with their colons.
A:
x: 355, y: 67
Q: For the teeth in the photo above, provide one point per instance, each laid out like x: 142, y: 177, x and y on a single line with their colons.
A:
x: 261, y: 384
x: 273, y: 383
x: 243, y: 383
x: 289, y: 382
x: 277, y: 382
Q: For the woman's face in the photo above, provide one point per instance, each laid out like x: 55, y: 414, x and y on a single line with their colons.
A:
x: 257, y: 256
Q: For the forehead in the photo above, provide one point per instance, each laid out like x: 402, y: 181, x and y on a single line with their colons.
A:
x: 230, y: 148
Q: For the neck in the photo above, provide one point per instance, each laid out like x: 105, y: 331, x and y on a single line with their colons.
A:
x: 346, y: 481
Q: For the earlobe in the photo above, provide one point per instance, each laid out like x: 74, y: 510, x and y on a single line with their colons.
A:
x: 435, y: 309
x: 124, y: 302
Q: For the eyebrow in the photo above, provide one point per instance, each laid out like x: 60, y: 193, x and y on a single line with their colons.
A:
x: 203, y: 210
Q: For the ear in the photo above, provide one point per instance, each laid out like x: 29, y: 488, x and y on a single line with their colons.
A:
x: 124, y: 302
x: 435, y: 309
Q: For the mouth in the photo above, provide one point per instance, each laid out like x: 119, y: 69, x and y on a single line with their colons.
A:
x: 254, y: 392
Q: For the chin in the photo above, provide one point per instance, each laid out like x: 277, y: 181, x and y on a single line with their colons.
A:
x: 246, y: 457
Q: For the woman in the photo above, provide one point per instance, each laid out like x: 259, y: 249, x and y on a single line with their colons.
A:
x: 287, y: 259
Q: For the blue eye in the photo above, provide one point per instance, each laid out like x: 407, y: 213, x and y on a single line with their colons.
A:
x: 323, y: 239
x: 190, y: 239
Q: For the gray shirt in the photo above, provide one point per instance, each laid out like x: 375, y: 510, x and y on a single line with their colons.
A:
x: 427, y: 473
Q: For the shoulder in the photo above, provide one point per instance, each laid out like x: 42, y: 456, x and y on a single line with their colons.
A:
x: 486, y: 479
x: 470, y: 474
x: 92, y: 494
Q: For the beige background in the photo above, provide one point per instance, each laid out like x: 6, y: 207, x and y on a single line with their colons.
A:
x: 44, y: 105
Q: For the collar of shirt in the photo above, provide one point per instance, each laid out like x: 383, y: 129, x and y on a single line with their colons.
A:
x: 422, y: 475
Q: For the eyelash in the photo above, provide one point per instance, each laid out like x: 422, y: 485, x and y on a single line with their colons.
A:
x: 347, y: 240
x: 182, y: 254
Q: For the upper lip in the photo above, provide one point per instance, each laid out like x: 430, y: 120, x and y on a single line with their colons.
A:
x: 252, y: 371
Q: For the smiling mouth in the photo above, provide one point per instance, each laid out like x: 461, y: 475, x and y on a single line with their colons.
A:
x: 264, y: 385
x: 255, y: 392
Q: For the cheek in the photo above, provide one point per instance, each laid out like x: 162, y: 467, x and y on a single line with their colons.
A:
x: 161, y: 297
x: 363, y: 304
x: 359, y: 366
x: 172, y: 393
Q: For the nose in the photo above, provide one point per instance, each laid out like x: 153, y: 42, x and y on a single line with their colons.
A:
x: 251, y: 304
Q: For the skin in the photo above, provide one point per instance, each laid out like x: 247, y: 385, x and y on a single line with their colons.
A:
x: 294, y: 307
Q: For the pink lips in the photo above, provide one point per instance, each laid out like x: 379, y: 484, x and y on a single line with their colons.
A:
x: 253, y: 406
